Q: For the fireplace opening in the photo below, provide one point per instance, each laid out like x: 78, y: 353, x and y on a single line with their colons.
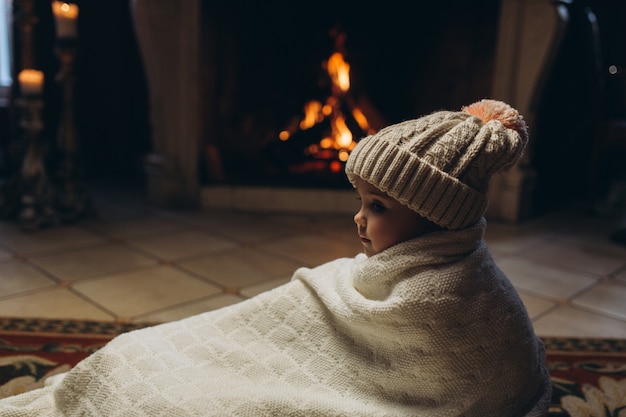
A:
x: 267, y: 77
x: 316, y: 143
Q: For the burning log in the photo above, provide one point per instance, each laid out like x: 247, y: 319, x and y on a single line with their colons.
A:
x: 322, y: 138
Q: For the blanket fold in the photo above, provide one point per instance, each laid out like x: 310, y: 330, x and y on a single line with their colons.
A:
x: 429, y: 327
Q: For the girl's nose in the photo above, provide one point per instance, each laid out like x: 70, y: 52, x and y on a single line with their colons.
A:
x: 359, y: 219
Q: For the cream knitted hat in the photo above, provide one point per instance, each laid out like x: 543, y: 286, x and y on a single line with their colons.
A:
x: 439, y: 165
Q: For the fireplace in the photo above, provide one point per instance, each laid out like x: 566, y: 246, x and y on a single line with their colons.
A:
x: 208, y: 87
x: 269, y: 64
x: 256, y: 65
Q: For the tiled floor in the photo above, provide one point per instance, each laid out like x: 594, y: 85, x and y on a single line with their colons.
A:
x: 135, y: 262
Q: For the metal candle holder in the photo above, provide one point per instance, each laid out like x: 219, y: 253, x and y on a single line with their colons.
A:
x: 36, y: 193
x: 29, y: 194
x: 37, y: 197
x: 73, y: 201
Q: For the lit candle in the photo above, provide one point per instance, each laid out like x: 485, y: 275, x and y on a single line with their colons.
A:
x: 31, y: 82
x: 65, y: 15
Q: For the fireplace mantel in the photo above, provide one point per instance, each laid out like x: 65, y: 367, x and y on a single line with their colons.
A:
x: 529, y: 34
x: 171, y: 59
x: 529, y: 37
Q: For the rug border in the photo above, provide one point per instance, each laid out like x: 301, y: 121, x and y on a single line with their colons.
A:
x: 98, y: 328
x: 39, y: 326
x: 584, y: 344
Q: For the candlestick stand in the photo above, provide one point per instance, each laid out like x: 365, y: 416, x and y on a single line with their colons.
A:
x: 73, y: 201
x: 29, y: 194
x: 37, y: 194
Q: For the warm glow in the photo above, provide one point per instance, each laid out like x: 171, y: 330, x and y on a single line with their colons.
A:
x: 335, y: 166
x: 343, y: 155
x: 327, y: 143
x: 343, y: 136
x: 60, y: 8
x: 65, y: 16
x: 339, y: 71
x: 312, y: 111
x: 360, y: 119
x: 333, y: 147
x: 31, y: 81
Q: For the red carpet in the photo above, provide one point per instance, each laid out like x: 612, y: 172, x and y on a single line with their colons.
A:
x: 32, y: 349
x: 588, y: 375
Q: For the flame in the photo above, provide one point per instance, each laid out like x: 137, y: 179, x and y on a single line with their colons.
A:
x: 327, y: 143
x: 336, y: 145
x: 335, y: 167
x: 361, y: 119
x: 312, y: 114
x: 339, y: 71
x: 343, y: 136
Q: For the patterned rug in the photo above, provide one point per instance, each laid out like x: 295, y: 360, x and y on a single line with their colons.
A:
x: 32, y: 350
x: 588, y: 375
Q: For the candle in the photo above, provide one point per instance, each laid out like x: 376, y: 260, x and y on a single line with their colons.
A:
x: 65, y: 15
x: 31, y: 82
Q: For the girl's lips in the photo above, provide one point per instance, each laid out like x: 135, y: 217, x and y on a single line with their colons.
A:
x: 364, y: 239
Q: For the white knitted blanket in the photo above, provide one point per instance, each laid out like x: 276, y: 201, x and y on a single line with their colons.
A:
x: 429, y: 327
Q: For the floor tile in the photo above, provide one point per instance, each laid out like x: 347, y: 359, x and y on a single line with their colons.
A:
x: 17, y: 277
x: 56, y: 303
x: 567, y: 321
x: 239, y: 268
x: 343, y: 230
x: 339, y: 227
x: 142, y: 291
x: 48, y: 240
x: 135, y: 261
x: 144, y: 226
x: 546, y: 280
x: 310, y: 249
x: 209, y: 219
x: 256, y: 289
x: 608, y: 298
x: 575, y: 254
x: 505, y: 238
x: 190, y: 309
x: 92, y: 261
x: 536, y: 306
x: 250, y: 229
x: 181, y: 244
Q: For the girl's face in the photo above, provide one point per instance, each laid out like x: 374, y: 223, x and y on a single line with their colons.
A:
x: 383, y: 222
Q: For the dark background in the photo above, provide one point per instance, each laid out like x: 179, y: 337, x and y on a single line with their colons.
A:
x: 267, y: 60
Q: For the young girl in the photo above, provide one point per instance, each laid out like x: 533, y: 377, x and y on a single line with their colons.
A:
x: 423, y: 323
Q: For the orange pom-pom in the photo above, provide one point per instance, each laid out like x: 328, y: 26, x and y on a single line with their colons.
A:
x: 488, y: 110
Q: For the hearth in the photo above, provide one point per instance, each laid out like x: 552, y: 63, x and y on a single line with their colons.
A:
x: 281, y: 115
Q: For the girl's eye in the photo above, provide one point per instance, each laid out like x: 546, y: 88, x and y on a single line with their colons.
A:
x: 377, y: 207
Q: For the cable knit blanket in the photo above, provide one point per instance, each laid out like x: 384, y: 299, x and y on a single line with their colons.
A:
x: 429, y: 327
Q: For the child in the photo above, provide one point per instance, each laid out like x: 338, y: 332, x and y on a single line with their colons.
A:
x: 422, y: 323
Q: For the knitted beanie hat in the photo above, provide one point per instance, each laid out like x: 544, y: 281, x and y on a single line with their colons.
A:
x: 439, y: 165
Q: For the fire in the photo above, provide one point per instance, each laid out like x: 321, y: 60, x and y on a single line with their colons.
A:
x: 341, y: 133
x: 312, y: 114
x: 339, y: 71
x: 335, y: 145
